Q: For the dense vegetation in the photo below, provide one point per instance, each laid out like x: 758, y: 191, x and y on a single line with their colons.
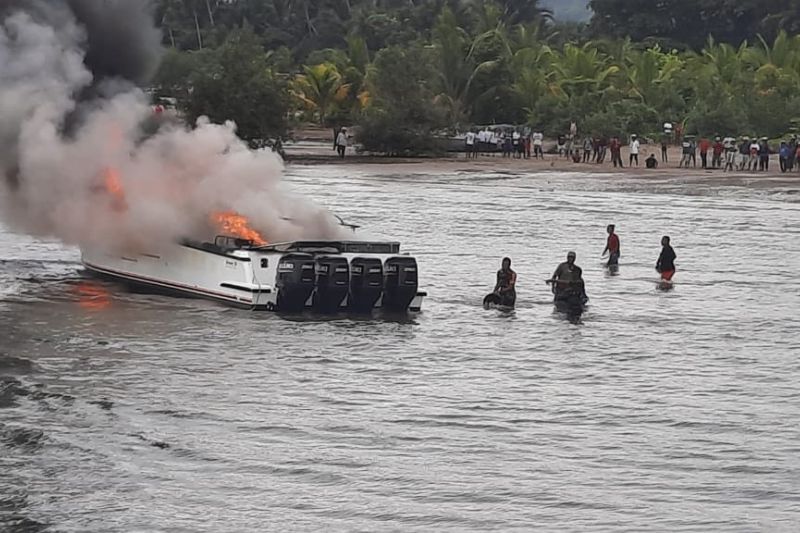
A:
x: 403, y: 69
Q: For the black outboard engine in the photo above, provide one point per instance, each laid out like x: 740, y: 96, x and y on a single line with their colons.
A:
x: 401, y: 284
x: 295, y: 282
x: 366, y: 283
x: 333, y: 282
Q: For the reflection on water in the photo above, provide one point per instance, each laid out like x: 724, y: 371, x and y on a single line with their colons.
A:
x: 658, y: 410
x: 91, y: 295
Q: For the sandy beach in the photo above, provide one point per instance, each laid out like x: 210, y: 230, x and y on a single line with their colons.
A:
x: 319, y: 153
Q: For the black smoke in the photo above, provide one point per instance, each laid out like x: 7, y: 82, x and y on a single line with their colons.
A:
x: 121, y: 39
x: 121, y: 45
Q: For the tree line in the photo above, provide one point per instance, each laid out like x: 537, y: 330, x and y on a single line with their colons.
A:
x: 404, y: 69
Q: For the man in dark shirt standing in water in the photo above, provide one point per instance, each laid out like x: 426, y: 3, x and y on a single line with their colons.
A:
x: 612, y: 247
x: 505, y: 292
x: 568, y: 277
x: 666, y: 261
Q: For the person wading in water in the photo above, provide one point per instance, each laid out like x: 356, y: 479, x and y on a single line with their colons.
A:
x: 568, y: 280
x: 666, y: 261
x: 505, y: 293
x: 612, y: 247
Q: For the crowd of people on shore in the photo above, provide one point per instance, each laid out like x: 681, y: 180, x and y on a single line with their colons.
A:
x: 743, y: 154
x: 728, y: 153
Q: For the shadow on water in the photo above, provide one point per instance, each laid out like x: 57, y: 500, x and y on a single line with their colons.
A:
x: 17, y: 445
x: 349, y: 317
x: 13, y: 510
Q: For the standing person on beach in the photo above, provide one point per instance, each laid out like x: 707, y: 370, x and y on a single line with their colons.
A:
x: 665, y: 147
x: 763, y: 155
x: 783, y: 156
x: 666, y: 261
x: 587, y: 149
x: 796, y: 158
x: 634, y: 151
x: 744, y: 152
x: 717, y: 149
x: 538, y: 141
x: 752, y: 162
x: 686, y: 153
x: 469, y: 140
x: 341, y: 142
x: 603, y: 149
x: 612, y: 247
x: 527, y: 141
x: 616, y: 149
x: 705, y: 144
x: 729, y: 143
x: 507, y: 145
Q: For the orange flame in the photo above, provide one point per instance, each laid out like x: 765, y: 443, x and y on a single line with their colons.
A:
x: 113, y: 186
x: 236, y: 225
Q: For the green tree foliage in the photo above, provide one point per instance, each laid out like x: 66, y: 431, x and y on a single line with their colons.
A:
x: 319, y: 89
x: 401, y: 69
x: 308, y: 25
x: 690, y: 22
x: 401, y: 116
x: 232, y: 82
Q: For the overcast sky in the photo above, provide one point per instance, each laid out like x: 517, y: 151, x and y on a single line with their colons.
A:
x: 569, y: 9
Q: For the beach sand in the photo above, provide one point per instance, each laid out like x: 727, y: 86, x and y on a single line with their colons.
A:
x: 308, y: 153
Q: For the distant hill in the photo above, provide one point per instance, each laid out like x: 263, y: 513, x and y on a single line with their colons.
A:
x: 571, y: 10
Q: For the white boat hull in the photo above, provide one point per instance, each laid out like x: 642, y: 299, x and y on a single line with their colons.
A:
x: 245, y: 277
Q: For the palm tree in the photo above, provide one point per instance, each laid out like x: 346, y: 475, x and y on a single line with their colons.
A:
x: 456, y: 68
x: 534, y: 77
x: 583, y: 69
x: 647, y: 72
x: 319, y: 89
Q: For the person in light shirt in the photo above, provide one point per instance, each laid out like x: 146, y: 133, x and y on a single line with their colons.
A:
x: 341, y: 142
x: 538, y: 141
x: 634, y: 151
x: 752, y: 162
x: 469, y: 140
x: 729, y: 145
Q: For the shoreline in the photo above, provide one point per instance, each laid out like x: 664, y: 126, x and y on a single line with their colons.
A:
x: 551, y: 163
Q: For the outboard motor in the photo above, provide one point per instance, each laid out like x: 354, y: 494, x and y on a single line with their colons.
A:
x: 295, y: 282
x: 366, y: 283
x: 400, y: 287
x: 333, y: 282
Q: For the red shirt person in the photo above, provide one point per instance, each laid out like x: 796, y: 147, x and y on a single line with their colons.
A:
x: 704, y: 145
x: 718, y: 148
x: 612, y: 246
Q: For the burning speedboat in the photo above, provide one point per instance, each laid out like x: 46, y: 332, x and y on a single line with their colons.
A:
x: 241, y: 268
x: 326, y: 276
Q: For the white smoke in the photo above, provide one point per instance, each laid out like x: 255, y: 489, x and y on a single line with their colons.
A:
x: 172, y: 181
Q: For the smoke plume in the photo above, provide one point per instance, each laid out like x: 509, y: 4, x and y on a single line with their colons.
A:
x: 74, y: 161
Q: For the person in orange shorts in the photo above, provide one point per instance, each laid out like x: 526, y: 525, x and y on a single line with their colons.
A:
x: 666, y: 261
